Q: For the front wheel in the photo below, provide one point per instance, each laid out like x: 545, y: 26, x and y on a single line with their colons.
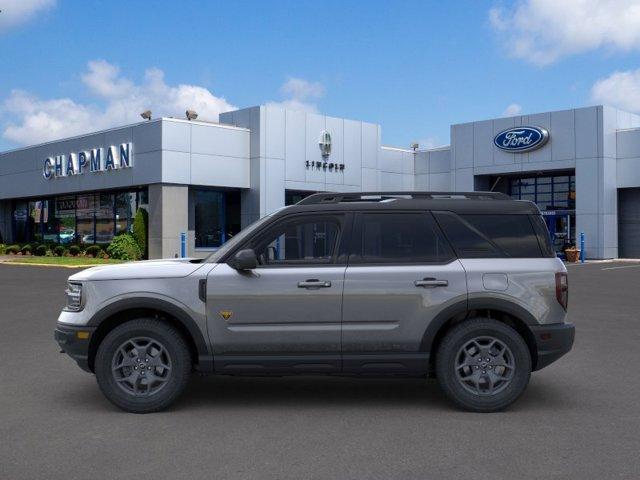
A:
x: 483, y: 365
x: 143, y: 365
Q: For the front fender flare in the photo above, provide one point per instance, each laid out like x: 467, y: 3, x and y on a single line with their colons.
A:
x: 205, y: 359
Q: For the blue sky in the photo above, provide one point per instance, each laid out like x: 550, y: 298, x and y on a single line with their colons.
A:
x: 415, y: 67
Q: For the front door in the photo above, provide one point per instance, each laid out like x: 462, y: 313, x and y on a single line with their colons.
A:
x: 285, y: 315
x: 401, y: 274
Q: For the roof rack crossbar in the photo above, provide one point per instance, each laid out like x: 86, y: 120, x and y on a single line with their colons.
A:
x: 318, y: 198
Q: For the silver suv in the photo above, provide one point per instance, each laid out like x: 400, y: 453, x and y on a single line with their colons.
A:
x: 463, y: 287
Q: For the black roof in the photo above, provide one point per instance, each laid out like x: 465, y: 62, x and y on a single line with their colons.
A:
x: 457, y: 202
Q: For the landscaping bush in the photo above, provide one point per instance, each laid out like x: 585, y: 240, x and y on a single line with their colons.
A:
x: 124, y: 247
x: 140, y: 228
x: 26, y: 250
x: 59, y: 251
x: 74, y: 250
x: 12, y: 249
x: 3, y: 248
x: 94, y: 251
x: 41, y: 250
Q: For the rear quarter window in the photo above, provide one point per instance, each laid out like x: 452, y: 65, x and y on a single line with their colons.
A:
x: 492, y: 235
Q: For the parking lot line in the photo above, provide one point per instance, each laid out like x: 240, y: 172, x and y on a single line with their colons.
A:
x: 623, y: 266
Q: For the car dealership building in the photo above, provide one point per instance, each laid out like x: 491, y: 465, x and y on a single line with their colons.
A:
x: 208, y: 180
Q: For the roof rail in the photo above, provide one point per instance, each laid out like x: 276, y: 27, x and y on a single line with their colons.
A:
x: 318, y: 198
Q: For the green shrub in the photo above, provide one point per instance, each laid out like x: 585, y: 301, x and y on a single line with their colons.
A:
x: 12, y: 249
x: 74, y: 250
x: 59, y: 251
x: 26, y: 250
x: 124, y: 247
x: 140, y: 228
x: 3, y: 248
x: 94, y: 251
x: 41, y: 250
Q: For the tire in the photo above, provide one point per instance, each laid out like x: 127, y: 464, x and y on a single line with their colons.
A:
x: 143, y: 365
x: 483, y: 365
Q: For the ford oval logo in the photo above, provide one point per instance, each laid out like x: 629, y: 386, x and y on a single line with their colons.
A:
x: 521, y: 139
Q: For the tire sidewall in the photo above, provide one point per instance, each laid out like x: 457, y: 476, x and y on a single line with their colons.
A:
x: 456, y: 339
x: 176, y: 348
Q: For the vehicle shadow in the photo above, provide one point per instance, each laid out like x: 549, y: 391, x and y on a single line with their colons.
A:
x: 321, y: 392
x: 306, y: 392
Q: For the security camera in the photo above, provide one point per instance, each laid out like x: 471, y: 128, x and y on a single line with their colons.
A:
x: 191, y: 114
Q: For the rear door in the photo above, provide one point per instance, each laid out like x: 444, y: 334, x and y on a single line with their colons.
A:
x: 401, y: 274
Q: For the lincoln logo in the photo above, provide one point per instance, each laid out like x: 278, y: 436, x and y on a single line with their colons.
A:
x: 325, y: 143
x: 521, y: 139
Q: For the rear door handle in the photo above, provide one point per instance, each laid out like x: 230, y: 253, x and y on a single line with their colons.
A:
x: 314, y: 283
x: 431, y: 283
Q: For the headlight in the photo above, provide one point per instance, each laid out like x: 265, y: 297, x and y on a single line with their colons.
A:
x: 74, y: 297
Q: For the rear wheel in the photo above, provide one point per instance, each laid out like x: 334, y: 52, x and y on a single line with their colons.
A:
x: 143, y: 365
x: 483, y: 365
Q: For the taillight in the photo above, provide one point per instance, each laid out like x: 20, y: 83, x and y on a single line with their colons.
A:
x: 562, y: 289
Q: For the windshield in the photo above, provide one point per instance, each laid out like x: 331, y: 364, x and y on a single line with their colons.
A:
x: 237, y: 239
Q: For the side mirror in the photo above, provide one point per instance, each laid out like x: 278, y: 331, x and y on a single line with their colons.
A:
x: 245, y: 260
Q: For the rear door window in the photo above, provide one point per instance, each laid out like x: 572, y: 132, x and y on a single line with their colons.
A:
x: 399, y: 238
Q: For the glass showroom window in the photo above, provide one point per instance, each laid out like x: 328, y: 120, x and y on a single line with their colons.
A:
x: 210, y: 213
x: 104, y: 218
x: 88, y: 218
x: 85, y: 221
x: 65, y: 215
x: 125, y: 210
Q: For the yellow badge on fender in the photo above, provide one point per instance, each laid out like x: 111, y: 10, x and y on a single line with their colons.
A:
x: 226, y: 314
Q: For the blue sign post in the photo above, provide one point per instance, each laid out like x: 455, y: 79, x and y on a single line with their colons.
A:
x: 183, y: 244
x: 581, y: 247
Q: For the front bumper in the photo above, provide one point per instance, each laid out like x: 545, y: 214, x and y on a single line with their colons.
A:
x: 552, y: 342
x: 74, y: 341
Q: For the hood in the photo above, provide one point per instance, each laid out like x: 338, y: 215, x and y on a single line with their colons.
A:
x: 169, y: 268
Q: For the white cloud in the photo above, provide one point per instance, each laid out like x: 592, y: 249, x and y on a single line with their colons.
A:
x: 103, y: 79
x: 620, y: 89
x: 29, y: 119
x: 300, y: 94
x: 43, y: 120
x: 302, y: 89
x: 15, y: 12
x: 543, y: 31
x: 512, y: 109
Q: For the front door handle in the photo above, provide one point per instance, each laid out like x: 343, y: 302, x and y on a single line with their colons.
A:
x: 314, y: 283
x: 431, y: 283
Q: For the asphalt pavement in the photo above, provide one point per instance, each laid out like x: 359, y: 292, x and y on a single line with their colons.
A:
x: 578, y: 419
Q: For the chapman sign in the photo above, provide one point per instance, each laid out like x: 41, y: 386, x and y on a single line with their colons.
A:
x: 95, y: 160
x: 521, y: 139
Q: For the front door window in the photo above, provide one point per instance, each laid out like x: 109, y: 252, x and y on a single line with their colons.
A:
x: 305, y: 241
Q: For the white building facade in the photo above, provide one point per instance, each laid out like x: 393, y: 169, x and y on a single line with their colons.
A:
x: 208, y: 180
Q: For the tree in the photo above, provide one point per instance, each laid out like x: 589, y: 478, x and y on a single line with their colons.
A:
x: 140, y: 228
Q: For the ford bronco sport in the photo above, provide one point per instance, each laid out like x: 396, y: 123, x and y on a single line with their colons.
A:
x: 461, y: 286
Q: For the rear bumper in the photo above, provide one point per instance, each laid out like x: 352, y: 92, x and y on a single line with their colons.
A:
x: 74, y: 345
x: 552, y: 342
